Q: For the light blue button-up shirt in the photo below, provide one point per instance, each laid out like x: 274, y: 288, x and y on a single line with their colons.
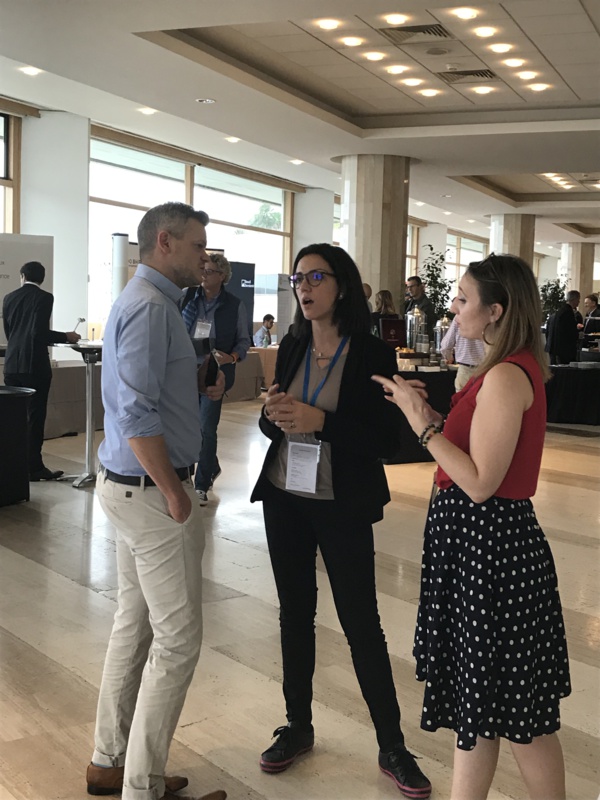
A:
x: 149, y: 383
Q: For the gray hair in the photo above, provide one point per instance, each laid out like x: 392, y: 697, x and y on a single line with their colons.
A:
x: 222, y: 265
x: 573, y: 295
x: 170, y: 217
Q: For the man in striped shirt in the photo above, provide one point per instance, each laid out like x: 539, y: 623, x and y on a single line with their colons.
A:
x: 466, y: 353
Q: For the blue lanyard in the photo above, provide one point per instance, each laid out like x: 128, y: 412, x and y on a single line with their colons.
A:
x: 334, y: 361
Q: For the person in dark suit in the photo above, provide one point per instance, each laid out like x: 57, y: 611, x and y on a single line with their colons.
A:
x: 323, y: 486
x: 418, y: 299
x: 561, y: 331
x: 26, y: 313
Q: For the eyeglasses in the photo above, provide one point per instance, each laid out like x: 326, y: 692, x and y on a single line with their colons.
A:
x: 313, y: 278
x: 209, y: 271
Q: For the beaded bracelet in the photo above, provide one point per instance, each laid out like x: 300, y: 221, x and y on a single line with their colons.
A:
x: 428, y: 428
x: 429, y: 432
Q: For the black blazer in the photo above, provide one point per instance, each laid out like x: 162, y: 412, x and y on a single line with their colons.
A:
x: 26, y: 313
x: 364, y: 429
x: 562, y: 334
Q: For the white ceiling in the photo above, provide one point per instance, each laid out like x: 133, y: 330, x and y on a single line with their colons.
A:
x: 96, y: 65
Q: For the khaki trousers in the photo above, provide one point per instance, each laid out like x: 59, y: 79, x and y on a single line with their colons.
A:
x: 155, y: 641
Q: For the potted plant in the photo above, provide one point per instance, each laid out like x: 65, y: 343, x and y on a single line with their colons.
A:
x: 552, y: 295
x: 438, y: 287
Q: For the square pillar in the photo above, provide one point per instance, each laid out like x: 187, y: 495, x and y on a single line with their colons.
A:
x: 513, y: 234
x: 577, y: 259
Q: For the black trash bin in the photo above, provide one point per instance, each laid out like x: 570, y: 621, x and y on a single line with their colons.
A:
x: 14, y: 467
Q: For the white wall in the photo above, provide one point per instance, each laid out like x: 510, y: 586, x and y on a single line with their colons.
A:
x: 313, y: 218
x: 54, y: 202
x: 434, y: 234
x: 548, y: 269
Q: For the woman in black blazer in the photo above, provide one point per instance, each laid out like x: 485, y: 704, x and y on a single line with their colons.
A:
x: 323, y: 485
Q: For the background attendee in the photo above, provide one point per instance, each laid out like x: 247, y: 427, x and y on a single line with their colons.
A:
x: 26, y: 314
x: 591, y: 323
x: 466, y: 353
x: 226, y: 315
x: 384, y: 307
x: 368, y: 292
x: 323, y: 486
x: 152, y: 430
x: 561, y: 331
x: 419, y: 299
x: 262, y: 337
x: 490, y: 639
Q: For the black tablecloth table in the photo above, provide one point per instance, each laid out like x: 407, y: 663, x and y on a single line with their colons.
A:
x: 440, y: 388
x: 573, y: 395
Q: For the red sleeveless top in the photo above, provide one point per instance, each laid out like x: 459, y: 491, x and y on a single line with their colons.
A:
x: 520, y: 482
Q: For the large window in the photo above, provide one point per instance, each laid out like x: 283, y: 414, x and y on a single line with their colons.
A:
x: 247, y: 217
x: 461, y: 250
x: 3, y: 146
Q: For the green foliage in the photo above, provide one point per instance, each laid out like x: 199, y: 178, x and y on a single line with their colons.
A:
x: 437, y: 287
x: 267, y: 218
x: 552, y: 295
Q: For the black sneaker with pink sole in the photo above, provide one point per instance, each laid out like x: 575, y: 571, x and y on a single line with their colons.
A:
x: 290, y: 742
x: 402, y: 768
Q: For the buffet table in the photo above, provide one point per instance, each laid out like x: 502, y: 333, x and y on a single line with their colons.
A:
x: 248, y: 379
x: 573, y: 395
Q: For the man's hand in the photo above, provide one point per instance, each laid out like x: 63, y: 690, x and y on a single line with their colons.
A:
x: 72, y: 337
x: 180, y: 505
x: 216, y: 392
x: 223, y: 358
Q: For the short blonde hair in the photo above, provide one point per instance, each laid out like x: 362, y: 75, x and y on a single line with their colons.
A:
x: 222, y: 265
x: 509, y: 281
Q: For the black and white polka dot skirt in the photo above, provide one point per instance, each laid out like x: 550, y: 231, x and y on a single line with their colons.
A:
x: 490, y: 639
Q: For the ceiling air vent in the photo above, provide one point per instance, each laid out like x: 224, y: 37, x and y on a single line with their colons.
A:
x: 468, y: 76
x: 414, y: 34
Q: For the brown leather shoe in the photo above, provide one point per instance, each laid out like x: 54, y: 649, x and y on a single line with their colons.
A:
x: 219, y: 794
x: 109, y: 780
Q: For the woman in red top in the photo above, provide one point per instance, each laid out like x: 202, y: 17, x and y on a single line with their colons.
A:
x: 490, y: 640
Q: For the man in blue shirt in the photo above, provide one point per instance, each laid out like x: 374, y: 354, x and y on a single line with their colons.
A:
x: 262, y: 337
x: 152, y: 431
x: 224, y: 315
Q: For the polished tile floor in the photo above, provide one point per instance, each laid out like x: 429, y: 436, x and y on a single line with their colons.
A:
x: 57, y: 599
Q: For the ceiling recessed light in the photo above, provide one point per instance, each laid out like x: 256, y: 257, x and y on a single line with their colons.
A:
x: 538, y: 87
x: 32, y: 71
x: 429, y: 92
x: 296, y: 161
x: 232, y: 139
x: 538, y: 243
x: 412, y: 81
x: 470, y: 220
x: 445, y: 195
x: 419, y: 203
x: 557, y: 179
x: 514, y: 62
x: 447, y: 213
x: 147, y: 111
x: 484, y: 32
x: 501, y: 48
x: 550, y: 247
x: 567, y: 186
x: 396, y: 19
x: 374, y: 56
x: 205, y: 100
x: 549, y: 174
x: 396, y: 69
x: 464, y: 13
x: 352, y: 41
x: 527, y: 76
x: 483, y: 89
x: 328, y: 24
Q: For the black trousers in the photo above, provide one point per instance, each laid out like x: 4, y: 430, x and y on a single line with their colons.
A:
x: 36, y: 413
x: 295, y: 527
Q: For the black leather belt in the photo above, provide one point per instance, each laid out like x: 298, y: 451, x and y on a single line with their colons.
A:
x: 470, y: 366
x: 183, y: 473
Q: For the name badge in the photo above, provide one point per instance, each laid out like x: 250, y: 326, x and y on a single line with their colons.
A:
x: 302, y: 464
x: 202, y: 329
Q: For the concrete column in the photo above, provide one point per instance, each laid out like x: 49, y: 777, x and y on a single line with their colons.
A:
x: 54, y: 202
x: 313, y: 219
x: 577, y: 260
x: 513, y: 234
x: 375, y: 218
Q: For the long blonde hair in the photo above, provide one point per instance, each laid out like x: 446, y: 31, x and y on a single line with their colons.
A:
x: 384, y: 302
x: 509, y: 281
